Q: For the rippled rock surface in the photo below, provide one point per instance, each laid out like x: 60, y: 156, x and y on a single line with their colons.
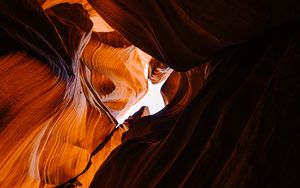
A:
x: 68, y: 71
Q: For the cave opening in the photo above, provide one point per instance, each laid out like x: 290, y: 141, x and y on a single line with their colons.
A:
x: 152, y: 99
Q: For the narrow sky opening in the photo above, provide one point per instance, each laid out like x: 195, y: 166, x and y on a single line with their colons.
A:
x: 152, y: 98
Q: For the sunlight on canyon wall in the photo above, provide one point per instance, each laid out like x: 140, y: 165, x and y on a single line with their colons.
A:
x: 51, y: 120
x: 97, y: 93
x: 78, y: 114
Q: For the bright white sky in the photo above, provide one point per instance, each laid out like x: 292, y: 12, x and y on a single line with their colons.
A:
x: 152, y: 99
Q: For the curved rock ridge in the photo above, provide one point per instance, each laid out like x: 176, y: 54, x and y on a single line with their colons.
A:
x: 239, y: 128
x: 53, y: 119
x: 115, y: 71
x: 236, y: 130
x: 39, y: 37
x: 157, y: 71
x: 113, y: 39
x: 231, y: 93
x: 184, y: 33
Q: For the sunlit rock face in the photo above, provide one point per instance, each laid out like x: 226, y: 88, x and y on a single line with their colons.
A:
x: 231, y: 92
x: 157, y: 71
x: 115, y: 70
x: 56, y: 107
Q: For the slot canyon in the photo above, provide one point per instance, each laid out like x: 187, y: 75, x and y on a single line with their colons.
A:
x: 230, y: 84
